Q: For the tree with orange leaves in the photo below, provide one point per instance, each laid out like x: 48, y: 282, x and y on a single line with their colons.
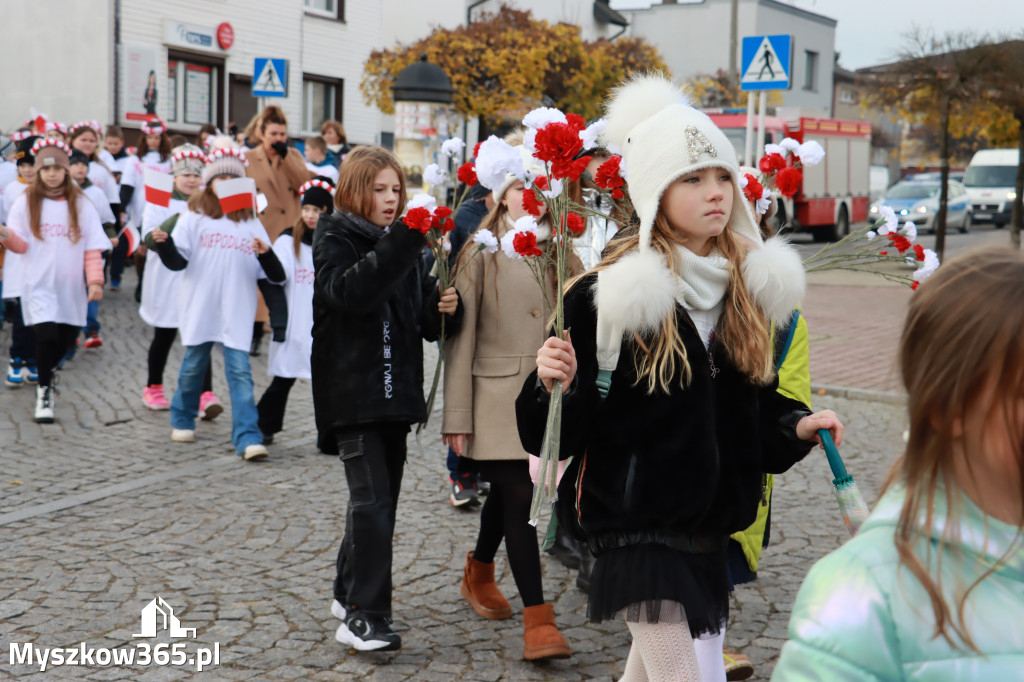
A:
x: 508, y: 63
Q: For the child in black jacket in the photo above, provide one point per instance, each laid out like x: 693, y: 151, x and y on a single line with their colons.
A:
x: 373, y: 303
x: 676, y: 317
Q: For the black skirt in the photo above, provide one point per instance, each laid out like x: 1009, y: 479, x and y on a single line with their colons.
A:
x: 503, y: 470
x: 641, y: 576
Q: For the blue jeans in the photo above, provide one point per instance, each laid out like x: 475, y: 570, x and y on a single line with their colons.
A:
x: 185, y: 404
x: 92, y: 323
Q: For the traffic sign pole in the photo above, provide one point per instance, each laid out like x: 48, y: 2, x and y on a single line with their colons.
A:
x: 762, y: 104
x: 748, y: 149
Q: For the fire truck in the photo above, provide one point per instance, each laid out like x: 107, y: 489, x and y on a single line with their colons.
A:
x: 836, y: 192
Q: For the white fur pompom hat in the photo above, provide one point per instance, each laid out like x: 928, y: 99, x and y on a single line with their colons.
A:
x: 661, y: 137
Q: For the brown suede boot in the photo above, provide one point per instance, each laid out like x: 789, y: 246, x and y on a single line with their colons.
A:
x: 480, y: 591
x: 541, y: 637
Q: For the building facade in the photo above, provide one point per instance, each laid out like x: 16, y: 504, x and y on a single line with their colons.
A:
x: 189, y: 62
x: 693, y: 37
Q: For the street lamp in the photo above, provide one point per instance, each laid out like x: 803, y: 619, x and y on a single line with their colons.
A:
x: 423, y: 97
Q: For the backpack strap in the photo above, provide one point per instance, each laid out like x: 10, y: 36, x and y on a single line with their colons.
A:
x: 609, y: 343
x: 782, y: 351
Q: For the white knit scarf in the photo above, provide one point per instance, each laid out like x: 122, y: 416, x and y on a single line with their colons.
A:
x: 702, y: 280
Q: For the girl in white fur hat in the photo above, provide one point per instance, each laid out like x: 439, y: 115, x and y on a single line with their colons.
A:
x: 671, y: 414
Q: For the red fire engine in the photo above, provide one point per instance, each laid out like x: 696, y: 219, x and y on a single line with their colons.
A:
x: 835, y: 192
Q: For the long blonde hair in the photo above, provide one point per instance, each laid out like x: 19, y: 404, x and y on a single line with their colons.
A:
x: 962, y: 336
x: 743, y: 329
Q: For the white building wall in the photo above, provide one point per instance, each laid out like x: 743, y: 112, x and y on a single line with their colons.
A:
x: 262, y: 28
x: 694, y: 39
x: 65, y: 66
x: 339, y: 50
x: 58, y: 60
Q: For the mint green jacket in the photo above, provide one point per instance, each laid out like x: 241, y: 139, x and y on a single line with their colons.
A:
x: 862, y: 616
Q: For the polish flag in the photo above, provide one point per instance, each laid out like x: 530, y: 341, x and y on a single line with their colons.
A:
x: 131, y: 235
x: 236, y: 194
x: 158, y: 187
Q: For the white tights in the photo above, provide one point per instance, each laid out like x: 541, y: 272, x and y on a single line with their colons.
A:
x: 709, y: 656
x: 661, y: 652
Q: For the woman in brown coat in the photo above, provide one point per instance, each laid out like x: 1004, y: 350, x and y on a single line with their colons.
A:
x: 279, y: 172
x: 486, y: 364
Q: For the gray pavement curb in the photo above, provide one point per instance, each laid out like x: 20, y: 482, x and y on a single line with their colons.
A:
x: 889, y: 397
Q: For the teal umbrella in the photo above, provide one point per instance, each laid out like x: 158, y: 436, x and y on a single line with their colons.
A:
x: 851, y: 502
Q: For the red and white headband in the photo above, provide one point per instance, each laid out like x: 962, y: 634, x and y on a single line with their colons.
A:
x: 224, y: 153
x: 316, y: 183
x: 20, y: 135
x: 58, y: 126
x: 153, y: 127
x: 50, y: 142
x: 189, y: 154
x: 92, y: 125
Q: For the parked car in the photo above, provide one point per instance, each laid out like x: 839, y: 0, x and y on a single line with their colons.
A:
x: 990, y: 181
x: 936, y: 176
x: 918, y: 201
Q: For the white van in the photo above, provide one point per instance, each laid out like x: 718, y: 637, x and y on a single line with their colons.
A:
x: 990, y: 178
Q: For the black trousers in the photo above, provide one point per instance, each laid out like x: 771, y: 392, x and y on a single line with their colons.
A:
x: 272, y: 403
x: 52, y: 340
x: 118, y: 255
x: 374, y: 459
x: 163, y: 339
x: 23, y: 340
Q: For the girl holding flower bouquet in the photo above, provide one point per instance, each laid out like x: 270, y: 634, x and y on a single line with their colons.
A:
x: 670, y: 411
x: 372, y: 304
x: 485, y: 366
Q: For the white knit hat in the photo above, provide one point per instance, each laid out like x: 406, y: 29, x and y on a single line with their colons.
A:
x: 662, y: 137
x: 224, y: 159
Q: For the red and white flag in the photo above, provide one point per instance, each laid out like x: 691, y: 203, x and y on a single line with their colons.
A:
x: 131, y: 235
x: 236, y: 194
x: 158, y: 187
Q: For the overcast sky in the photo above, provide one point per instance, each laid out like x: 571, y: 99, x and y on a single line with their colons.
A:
x: 868, y: 31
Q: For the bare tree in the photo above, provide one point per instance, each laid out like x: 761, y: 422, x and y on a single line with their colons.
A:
x: 933, y: 77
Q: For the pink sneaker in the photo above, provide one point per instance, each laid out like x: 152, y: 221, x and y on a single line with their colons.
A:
x: 153, y: 397
x: 209, y: 406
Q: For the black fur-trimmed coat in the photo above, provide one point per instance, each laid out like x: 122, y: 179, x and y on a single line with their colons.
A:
x: 686, y: 463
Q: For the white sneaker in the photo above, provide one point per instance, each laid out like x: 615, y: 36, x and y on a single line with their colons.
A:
x: 183, y: 435
x: 44, y: 405
x: 254, y: 452
x: 337, y: 610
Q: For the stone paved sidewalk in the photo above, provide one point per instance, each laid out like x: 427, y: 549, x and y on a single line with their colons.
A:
x: 101, y: 513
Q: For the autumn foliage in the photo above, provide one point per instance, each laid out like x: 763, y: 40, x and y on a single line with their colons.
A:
x: 508, y: 63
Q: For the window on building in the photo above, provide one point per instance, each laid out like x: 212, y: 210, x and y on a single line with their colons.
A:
x: 331, y: 9
x: 847, y: 97
x: 321, y: 101
x: 194, y: 91
x: 172, y: 91
x: 810, y: 70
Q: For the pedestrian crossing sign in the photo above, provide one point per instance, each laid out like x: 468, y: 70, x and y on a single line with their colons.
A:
x: 767, y: 63
x: 270, y: 77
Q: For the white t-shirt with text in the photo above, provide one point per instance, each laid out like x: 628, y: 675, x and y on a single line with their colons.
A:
x: 53, y: 268
x: 217, y: 300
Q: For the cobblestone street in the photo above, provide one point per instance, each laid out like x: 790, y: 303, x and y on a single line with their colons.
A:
x: 101, y: 513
